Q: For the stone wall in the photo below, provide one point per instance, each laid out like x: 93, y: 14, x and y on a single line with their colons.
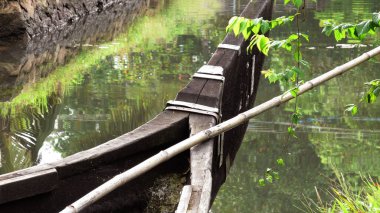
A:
x: 34, y: 17
x: 25, y: 59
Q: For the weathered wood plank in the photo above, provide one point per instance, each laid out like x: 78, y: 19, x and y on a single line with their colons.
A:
x: 205, y: 201
x: 201, y: 159
x: 201, y: 155
x: 191, y: 91
x: 27, y: 171
x: 184, y: 201
x: 23, y: 186
x: 195, y: 199
x: 211, y: 94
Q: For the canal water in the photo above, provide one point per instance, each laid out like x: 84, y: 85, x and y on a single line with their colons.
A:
x: 93, y: 90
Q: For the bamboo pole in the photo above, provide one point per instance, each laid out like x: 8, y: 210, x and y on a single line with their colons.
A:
x: 204, y: 135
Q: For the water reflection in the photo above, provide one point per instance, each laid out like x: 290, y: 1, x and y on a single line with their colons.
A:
x: 326, y: 137
x: 109, y: 88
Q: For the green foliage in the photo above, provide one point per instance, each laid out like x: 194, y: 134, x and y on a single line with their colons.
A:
x: 346, y: 199
x: 358, y: 32
x: 270, y: 176
x: 289, y: 75
x: 280, y: 162
x: 353, y: 31
x: 370, y: 96
x: 294, y: 91
x: 372, y: 93
x: 296, y: 116
x: 351, y: 108
x: 292, y: 131
x: 256, y: 28
x: 296, y: 3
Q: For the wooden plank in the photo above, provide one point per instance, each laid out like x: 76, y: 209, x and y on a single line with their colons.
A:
x: 27, y: 171
x: 211, y: 94
x: 201, y: 158
x: 195, y: 199
x: 28, y: 185
x: 191, y: 91
x: 201, y: 155
x: 184, y: 201
x: 205, y: 201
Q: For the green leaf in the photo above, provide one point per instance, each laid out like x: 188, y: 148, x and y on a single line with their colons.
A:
x: 261, y: 182
x: 292, y: 37
x: 297, y: 56
x: 292, y: 132
x: 338, y: 35
x: 286, y: 2
x: 297, y: 3
x: 270, y: 75
x: 274, y: 23
x: 281, y: 162
x: 298, y: 71
x: 231, y: 23
x: 363, y: 28
x: 236, y: 27
x: 327, y: 30
x: 351, y: 108
x: 287, y: 46
x: 263, y: 44
x: 256, y: 28
x: 306, y: 37
x: 269, y: 178
x: 376, y: 18
x: 295, y: 118
x: 354, y: 110
x: 276, y: 175
x: 265, y: 27
x: 248, y: 29
x: 376, y: 91
x: 243, y: 25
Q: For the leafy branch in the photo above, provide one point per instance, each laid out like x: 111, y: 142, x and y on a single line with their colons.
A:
x: 358, y: 32
x: 355, y: 31
x: 256, y: 30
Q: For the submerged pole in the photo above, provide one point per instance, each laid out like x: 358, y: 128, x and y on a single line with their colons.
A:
x: 204, y: 135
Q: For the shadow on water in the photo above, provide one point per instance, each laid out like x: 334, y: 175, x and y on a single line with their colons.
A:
x: 327, y: 138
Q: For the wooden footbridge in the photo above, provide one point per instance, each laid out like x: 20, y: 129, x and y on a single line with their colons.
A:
x: 224, y: 87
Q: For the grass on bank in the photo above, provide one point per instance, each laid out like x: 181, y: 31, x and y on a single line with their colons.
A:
x: 347, y: 198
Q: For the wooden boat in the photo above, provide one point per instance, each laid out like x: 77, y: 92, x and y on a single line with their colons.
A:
x: 219, y: 90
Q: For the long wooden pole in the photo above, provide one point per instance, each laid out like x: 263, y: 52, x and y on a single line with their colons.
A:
x: 174, y: 150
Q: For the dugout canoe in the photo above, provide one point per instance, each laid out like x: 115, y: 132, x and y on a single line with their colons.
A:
x: 218, y: 91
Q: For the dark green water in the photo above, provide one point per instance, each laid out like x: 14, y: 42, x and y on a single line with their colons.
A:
x: 327, y: 138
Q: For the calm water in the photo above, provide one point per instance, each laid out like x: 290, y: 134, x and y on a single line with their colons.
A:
x: 327, y: 138
x: 100, y: 89
x: 111, y: 87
